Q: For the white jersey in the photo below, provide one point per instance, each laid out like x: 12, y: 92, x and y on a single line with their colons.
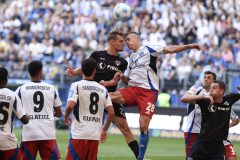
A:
x: 10, y: 106
x: 142, y: 68
x: 194, y: 118
x: 91, y: 98
x: 38, y: 99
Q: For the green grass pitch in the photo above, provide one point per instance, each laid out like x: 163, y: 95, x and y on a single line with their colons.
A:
x: 116, y: 149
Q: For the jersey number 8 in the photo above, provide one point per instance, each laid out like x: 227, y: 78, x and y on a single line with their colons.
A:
x: 93, y: 107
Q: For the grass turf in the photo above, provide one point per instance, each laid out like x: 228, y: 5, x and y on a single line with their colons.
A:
x: 116, y: 149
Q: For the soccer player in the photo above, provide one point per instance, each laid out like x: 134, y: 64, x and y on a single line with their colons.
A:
x: 42, y: 103
x: 215, y: 110
x: 108, y: 63
x: 143, y: 82
x: 194, y: 117
x: 10, y: 106
x: 88, y: 99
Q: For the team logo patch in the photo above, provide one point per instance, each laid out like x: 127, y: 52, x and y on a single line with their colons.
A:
x: 226, y: 103
x: 101, y: 65
x: 212, y: 108
x: 117, y: 62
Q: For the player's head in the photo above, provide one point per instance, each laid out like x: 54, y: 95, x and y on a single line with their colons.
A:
x: 133, y: 40
x: 89, y: 67
x: 35, y: 69
x: 209, y: 77
x: 3, y: 76
x: 116, y: 40
x: 217, y: 88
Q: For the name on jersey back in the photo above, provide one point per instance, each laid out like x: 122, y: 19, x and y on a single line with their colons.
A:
x: 38, y: 116
x: 93, y: 88
x: 38, y: 87
x: 6, y: 98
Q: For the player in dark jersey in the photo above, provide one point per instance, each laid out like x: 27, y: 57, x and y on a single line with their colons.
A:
x: 215, y: 111
x: 108, y: 63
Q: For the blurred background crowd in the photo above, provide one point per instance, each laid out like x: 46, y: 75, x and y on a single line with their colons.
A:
x: 64, y: 32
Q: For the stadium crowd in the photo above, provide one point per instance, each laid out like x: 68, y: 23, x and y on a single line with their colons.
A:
x: 66, y: 31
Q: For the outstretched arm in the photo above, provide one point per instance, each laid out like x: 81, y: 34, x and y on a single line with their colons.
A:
x: 74, y: 72
x: 188, y: 98
x: 180, y: 48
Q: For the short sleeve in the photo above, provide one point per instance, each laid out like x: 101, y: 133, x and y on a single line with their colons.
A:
x: 18, y: 108
x: 155, y: 51
x: 233, y: 115
x: 232, y: 97
x: 73, y: 94
x: 195, y: 89
x: 57, y: 100
x: 108, y: 100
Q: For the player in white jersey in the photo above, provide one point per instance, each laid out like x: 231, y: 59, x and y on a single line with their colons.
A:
x: 42, y: 103
x: 194, y: 117
x: 87, y: 99
x: 10, y: 106
x: 143, y: 82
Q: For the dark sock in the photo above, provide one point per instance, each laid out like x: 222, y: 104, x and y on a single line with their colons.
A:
x: 143, y: 142
x: 134, y: 147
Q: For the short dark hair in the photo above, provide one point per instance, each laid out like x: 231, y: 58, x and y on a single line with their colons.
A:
x: 113, y: 34
x: 3, y: 76
x: 34, y: 68
x: 132, y: 32
x: 221, y: 84
x: 212, y: 73
x: 88, y: 66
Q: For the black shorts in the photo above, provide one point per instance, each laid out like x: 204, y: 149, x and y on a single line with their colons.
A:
x: 119, y: 111
x: 202, y: 150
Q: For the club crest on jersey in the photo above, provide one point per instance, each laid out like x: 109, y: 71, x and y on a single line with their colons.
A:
x: 117, y: 62
x: 101, y: 65
x: 141, y: 54
x: 212, y: 108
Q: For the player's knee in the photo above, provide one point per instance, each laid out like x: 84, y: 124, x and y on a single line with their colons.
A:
x: 143, y: 128
x: 117, y: 97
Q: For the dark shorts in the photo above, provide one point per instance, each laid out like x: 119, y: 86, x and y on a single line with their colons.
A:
x: 119, y: 111
x: 207, y: 151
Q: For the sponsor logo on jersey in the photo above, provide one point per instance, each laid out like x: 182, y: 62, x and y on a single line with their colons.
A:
x: 101, y: 65
x: 212, y: 108
x: 102, y: 58
x: 117, y: 62
x: 223, y: 109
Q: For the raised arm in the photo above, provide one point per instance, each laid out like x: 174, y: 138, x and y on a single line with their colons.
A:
x: 188, y: 98
x: 180, y: 48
